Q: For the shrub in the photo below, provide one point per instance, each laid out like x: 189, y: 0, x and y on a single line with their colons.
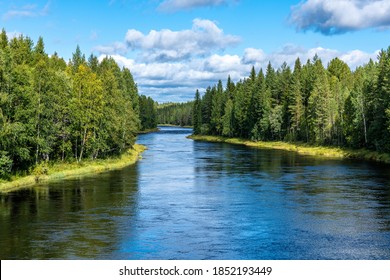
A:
x: 5, y: 165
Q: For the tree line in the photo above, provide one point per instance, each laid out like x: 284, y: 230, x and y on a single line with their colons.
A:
x: 148, y: 113
x: 310, y: 103
x: 175, y: 113
x: 53, y: 110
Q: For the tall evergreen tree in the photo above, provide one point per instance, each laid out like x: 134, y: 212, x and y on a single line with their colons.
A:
x: 296, y: 103
x: 197, y: 115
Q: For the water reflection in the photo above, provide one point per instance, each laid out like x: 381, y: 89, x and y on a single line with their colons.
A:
x: 74, y: 219
x: 315, y: 209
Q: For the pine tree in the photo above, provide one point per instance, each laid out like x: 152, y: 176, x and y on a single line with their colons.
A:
x: 217, y: 109
x: 228, y: 128
x: 296, y: 105
x: 380, y: 127
x: 77, y: 59
x: 318, y: 106
x: 197, y: 115
x: 3, y: 39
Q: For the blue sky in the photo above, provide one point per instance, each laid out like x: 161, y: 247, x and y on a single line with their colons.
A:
x: 174, y: 47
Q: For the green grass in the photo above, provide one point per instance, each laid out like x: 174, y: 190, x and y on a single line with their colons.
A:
x: 301, y: 148
x: 61, y: 171
x: 149, y: 130
x: 174, y: 125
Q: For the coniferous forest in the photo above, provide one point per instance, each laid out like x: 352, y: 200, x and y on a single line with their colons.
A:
x: 310, y: 103
x: 64, y: 111
x: 179, y: 114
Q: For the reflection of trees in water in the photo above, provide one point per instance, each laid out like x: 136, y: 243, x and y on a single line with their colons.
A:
x: 326, y: 188
x: 220, y: 158
x: 68, y: 220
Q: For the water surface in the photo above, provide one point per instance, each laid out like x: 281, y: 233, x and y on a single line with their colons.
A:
x: 198, y: 200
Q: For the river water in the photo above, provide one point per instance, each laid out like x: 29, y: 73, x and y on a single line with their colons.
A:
x: 198, y: 200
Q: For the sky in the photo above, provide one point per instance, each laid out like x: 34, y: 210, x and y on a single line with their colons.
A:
x: 173, y: 47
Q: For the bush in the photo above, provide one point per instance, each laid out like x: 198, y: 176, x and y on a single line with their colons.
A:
x: 5, y: 165
x: 40, y: 170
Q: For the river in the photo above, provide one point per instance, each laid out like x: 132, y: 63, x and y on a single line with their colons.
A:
x: 199, y: 200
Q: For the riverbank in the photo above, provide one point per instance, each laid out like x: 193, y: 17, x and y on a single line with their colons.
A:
x: 301, y: 148
x: 174, y: 125
x: 60, y: 171
x: 149, y: 130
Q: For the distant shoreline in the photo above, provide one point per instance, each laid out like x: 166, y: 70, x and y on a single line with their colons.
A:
x: 300, y: 148
x: 174, y: 125
x: 150, y: 130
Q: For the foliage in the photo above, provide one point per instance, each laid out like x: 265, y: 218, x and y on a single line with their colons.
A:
x: 148, y: 113
x: 54, y: 171
x: 51, y: 110
x: 311, y: 104
x: 5, y: 165
x: 175, y: 113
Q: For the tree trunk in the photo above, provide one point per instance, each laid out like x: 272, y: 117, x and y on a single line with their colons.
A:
x: 365, y: 128
x: 38, y: 121
x: 83, y: 144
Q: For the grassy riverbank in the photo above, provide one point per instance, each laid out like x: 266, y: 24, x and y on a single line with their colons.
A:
x: 174, y: 125
x: 150, y: 130
x: 60, y: 171
x: 301, y: 148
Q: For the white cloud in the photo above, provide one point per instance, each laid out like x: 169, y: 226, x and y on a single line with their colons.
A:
x: 133, y: 35
x: 166, y: 44
x: 356, y: 57
x: 253, y: 56
x: 176, y: 5
x: 27, y: 11
x: 115, y: 48
x: 223, y: 63
x: 340, y: 16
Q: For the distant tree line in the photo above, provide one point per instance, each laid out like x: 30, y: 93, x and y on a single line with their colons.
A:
x: 311, y: 103
x: 175, y: 113
x: 148, y: 114
x: 53, y: 110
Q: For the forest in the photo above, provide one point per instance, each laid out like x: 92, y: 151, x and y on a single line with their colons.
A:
x: 310, y: 103
x: 179, y: 114
x: 64, y: 111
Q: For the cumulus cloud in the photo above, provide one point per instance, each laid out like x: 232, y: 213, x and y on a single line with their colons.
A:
x: 223, y: 63
x: 252, y: 56
x: 356, y: 57
x: 166, y: 44
x: 176, y: 5
x: 27, y: 11
x: 339, y: 16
